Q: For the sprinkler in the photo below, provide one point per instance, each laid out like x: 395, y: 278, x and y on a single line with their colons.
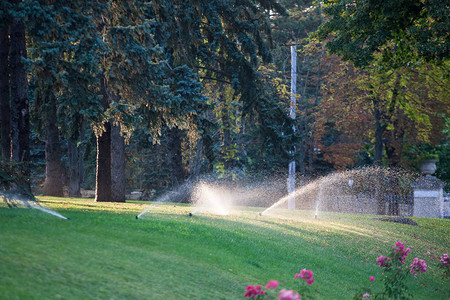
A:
x: 315, y: 216
x: 260, y: 213
x: 190, y: 214
x: 137, y: 217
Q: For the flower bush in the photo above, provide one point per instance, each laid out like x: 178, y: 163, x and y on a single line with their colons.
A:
x: 256, y: 292
x: 273, y: 284
x: 384, y: 262
x: 418, y: 266
x: 288, y: 295
x: 306, y: 275
x: 394, y: 276
x: 445, y: 265
x: 399, y: 249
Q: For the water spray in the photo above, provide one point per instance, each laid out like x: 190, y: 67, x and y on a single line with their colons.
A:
x: 13, y: 200
x: 176, y: 195
x: 212, y: 199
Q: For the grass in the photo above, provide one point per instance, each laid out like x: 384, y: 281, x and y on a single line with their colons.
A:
x: 103, y: 252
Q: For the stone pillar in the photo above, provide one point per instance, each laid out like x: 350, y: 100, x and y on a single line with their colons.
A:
x: 428, y: 197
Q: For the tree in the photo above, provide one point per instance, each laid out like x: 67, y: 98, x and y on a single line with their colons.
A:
x: 20, y: 119
x: 223, y: 43
x: 5, y: 112
x: 304, y: 18
x: 53, y: 185
x: 388, y: 110
x: 62, y: 66
x: 75, y: 169
x: 343, y: 118
x: 403, y: 31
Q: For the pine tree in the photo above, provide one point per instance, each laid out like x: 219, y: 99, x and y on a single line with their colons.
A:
x: 5, y: 112
x: 62, y: 44
x: 223, y: 41
x: 20, y: 119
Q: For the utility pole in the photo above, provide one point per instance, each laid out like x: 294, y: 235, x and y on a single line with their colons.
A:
x: 291, y: 178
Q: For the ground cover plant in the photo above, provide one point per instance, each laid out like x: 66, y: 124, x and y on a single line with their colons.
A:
x: 104, y: 252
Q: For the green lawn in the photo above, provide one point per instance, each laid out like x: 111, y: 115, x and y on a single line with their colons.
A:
x: 104, y: 252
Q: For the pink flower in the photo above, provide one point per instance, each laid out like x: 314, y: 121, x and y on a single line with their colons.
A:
x: 372, y: 278
x: 288, y: 295
x: 273, y: 284
x: 398, y: 245
x: 383, y: 261
x: 417, y: 266
x: 306, y: 274
x: 399, y: 248
x: 366, y: 295
x: 445, y: 260
x: 253, y: 291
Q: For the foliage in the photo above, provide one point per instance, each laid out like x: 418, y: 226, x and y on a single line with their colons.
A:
x: 394, y: 278
x: 203, y: 68
x: 303, y: 19
x: 394, y: 274
x: 443, y: 171
x: 405, y: 103
x: 63, y: 61
x: 403, y: 32
x: 445, y: 265
x: 257, y: 292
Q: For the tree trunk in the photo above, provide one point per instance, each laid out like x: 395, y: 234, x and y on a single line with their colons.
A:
x: 311, y: 151
x: 208, y: 149
x: 379, y: 131
x: 53, y: 185
x: 103, y: 174
x: 117, y: 165
x: 20, y: 123
x: 5, y: 112
x: 394, y: 145
x: 196, y: 166
x: 175, y: 159
x: 75, y: 169
x: 394, y: 142
x: 227, y: 158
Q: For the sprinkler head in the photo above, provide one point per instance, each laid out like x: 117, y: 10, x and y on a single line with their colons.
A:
x: 190, y: 214
x: 137, y: 217
x: 260, y: 213
x: 315, y: 216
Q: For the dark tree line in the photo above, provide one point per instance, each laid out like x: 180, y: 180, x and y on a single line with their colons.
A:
x: 15, y: 123
x: 124, y: 95
x: 116, y: 66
